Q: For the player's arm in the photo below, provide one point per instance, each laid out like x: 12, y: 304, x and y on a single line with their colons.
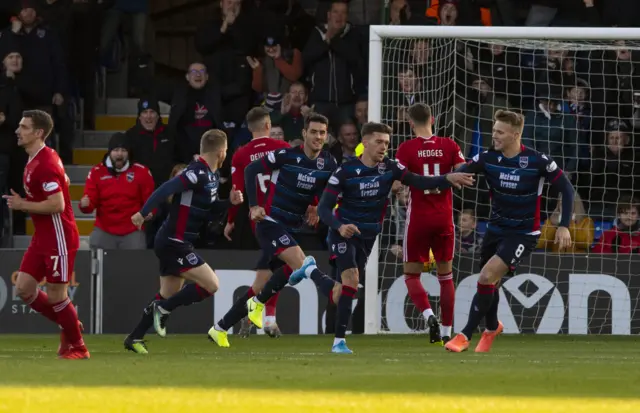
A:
x: 54, y: 204
x: 237, y: 180
x: 559, y: 181
x: 186, y: 180
x: 329, y: 200
x: 474, y: 166
x: 402, y: 174
x: 273, y: 161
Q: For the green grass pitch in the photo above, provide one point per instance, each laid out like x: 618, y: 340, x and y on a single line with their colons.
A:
x: 391, y: 374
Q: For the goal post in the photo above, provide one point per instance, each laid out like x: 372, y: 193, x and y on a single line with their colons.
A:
x: 441, y: 92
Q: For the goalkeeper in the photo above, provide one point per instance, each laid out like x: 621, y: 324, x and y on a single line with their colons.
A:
x: 514, y: 174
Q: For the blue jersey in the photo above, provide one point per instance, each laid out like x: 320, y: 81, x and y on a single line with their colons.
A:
x: 195, y: 202
x: 296, y: 183
x: 515, y: 185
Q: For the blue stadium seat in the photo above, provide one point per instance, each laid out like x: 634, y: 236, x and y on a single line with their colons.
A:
x: 481, y: 227
x: 600, y: 227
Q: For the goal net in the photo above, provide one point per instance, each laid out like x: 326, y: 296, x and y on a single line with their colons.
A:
x: 581, y: 102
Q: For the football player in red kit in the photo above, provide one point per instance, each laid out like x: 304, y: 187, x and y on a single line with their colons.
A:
x: 53, y: 247
x: 429, y: 223
x: 259, y: 124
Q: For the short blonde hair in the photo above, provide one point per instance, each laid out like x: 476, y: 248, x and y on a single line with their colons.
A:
x: 213, y: 140
x: 515, y: 119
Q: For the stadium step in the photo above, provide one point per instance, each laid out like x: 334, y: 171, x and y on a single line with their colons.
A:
x: 88, y: 156
x: 76, y: 191
x: 95, y: 139
x: 118, y: 123
x: 123, y: 106
x: 23, y: 241
x: 79, y: 214
x: 78, y: 173
x: 85, y: 226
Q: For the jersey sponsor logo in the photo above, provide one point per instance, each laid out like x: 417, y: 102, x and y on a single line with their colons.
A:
x: 552, y: 166
x: 523, y: 162
x: 271, y: 157
x: 284, y: 240
x: 382, y: 168
x: 192, y: 258
x: 320, y: 163
x: 50, y: 186
x: 130, y: 176
x: 192, y: 177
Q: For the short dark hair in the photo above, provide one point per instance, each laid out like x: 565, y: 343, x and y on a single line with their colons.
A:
x: 41, y: 120
x: 345, y: 2
x: 370, y: 128
x: 255, y: 117
x: 212, y: 140
x: 420, y: 114
x: 317, y: 118
x: 626, y: 203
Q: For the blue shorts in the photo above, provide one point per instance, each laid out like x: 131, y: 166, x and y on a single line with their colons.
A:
x: 176, y: 258
x: 273, y: 238
x: 349, y: 253
x: 511, y: 248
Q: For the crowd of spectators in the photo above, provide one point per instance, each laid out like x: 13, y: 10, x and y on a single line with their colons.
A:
x: 582, y: 103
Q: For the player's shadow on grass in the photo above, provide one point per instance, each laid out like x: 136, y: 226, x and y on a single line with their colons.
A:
x: 547, y: 366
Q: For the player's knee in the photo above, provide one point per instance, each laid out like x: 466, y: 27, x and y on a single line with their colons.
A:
x: 485, y: 278
x: 350, y: 278
x: 25, y: 293
x: 212, y: 285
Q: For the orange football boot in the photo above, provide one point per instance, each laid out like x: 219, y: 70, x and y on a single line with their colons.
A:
x: 458, y: 344
x: 76, y: 353
x: 64, y: 343
x: 486, y: 341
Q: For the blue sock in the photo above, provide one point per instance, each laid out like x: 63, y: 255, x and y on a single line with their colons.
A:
x: 323, y: 281
x: 146, y: 321
x: 190, y: 293
x: 344, y: 310
x: 491, y: 319
x: 479, y: 307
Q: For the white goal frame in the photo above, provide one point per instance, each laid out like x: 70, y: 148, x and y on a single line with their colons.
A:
x: 379, y: 32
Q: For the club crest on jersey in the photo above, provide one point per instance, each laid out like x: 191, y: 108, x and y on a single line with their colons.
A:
x: 192, y: 258
x: 284, y: 240
x: 382, y: 168
x: 524, y: 161
x: 130, y: 176
x: 342, y: 247
x: 320, y: 163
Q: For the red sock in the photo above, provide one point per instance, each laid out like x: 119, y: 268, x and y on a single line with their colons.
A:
x: 447, y: 298
x: 270, y: 306
x: 40, y: 303
x: 250, y: 292
x: 417, y: 292
x: 68, y: 319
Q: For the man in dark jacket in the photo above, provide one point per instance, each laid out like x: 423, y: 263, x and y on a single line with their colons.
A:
x: 150, y: 143
x: 333, y: 61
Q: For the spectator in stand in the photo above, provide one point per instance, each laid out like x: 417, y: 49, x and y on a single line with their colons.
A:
x: 116, y: 189
x: 622, y: 82
x: 502, y: 66
x: 225, y: 44
x: 151, y: 227
x: 581, y: 229
x: 150, y: 142
x: 274, y: 73
x: 468, y: 239
x: 579, y: 106
x: 196, y: 107
x: 348, y: 139
x: 276, y: 132
x: 614, y: 167
x: 624, y: 237
x: 138, y: 11
x: 409, y: 90
x: 44, y: 65
x: 548, y: 130
x: 332, y: 59
x: 362, y: 111
x: 292, y: 112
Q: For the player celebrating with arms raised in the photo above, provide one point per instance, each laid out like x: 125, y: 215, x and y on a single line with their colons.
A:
x: 429, y: 224
x: 194, y: 202
x: 364, y: 185
x: 51, y: 254
x: 514, y: 175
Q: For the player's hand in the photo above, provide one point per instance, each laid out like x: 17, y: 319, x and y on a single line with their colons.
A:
x: 348, y: 230
x: 460, y: 179
x: 312, y: 216
x: 228, y: 229
x: 84, y: 201
x: 257, y: 213
x: 563, y: 237
x: 396, y: 187
x: 236, y: 196
x: 253, y: 62
x: 14, y: 201
x: 137, y: 219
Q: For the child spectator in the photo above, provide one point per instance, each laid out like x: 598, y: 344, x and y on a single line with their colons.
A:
x: 624, y: 237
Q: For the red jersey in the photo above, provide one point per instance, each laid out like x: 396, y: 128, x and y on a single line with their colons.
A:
x: 432, y: 156
x: 258, y: 148
x: 44, y: 176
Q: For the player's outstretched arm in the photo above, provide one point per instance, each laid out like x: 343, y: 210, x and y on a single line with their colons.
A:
x: 173, y: 186
x: 54, y: 204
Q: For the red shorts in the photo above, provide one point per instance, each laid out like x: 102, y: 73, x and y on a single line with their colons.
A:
x: 56, y: 269
x: 422, y: 235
